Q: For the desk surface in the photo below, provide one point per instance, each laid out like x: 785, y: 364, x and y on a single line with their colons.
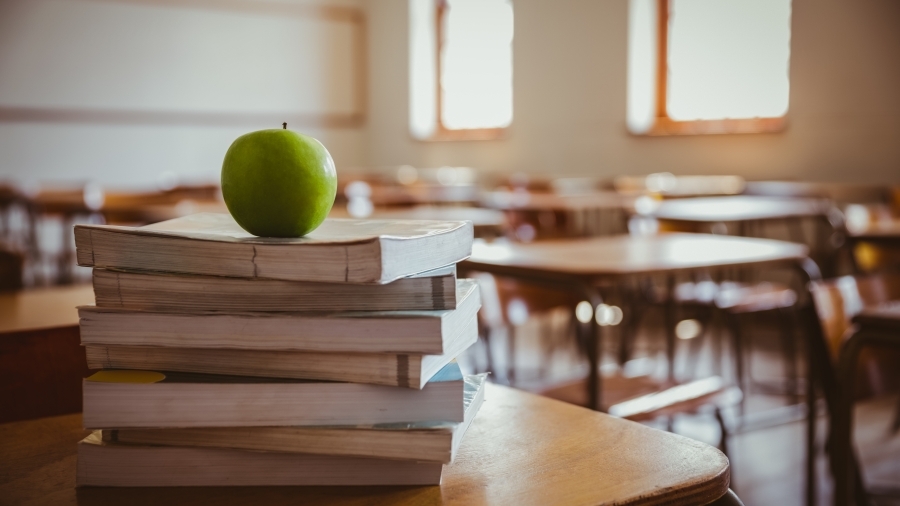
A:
x: 527, y: 201
x: 885, y: 315
x: 521, y: 449
x: 625, y: 254
x: 738, y: 208
x: 43, y: 308
x: 488, y: 218
x: 884, y: 231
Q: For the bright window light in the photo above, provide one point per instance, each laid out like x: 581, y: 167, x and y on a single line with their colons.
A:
x: 723, y: 59
x: 473, y: 79
x: 476, y: 64
x: 728, y: 58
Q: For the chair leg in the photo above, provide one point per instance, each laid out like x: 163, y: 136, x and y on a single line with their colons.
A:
x: 738, y: 351
x: 790, y: 355
x: 895, y: 425
x: 511, y: 355
x: 723, y: 442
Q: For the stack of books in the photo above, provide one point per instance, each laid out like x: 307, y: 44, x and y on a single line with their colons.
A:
x: 228, y: 359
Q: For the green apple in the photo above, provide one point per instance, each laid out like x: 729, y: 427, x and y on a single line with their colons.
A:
x: 278, y: 183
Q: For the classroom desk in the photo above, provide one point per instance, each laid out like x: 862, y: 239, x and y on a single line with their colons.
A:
x: 885, y: 233
x: 487, y: 222
x: 743, y: 210
x: 582, y: 265
x: 880, y: 326
x: 41, y: 358
x: 42, y: 308
x: 583, y: 214
x: 521, y: 449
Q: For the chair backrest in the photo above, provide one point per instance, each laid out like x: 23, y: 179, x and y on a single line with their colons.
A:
x: 507, y: 301
x: 837, y: 302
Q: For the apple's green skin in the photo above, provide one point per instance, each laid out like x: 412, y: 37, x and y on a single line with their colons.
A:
x: 278, y: 183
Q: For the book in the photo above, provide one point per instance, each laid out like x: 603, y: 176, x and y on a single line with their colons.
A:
x: 123, y: 465
x: 116, y: 399
x: 338, y: 251
x: 192, y: 293
x: 411, y: 332
x: 423, y: 441
x: 403, y: 370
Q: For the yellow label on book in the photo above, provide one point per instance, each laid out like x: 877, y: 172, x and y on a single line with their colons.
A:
x: 116, y: 376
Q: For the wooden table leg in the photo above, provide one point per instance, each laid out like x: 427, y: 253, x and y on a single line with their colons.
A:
x: 809, y: 272
x: 593, y: 344
x: 847, y: 474
x: 670, y: 325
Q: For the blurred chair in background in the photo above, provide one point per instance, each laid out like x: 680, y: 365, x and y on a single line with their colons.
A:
x: 837, y: 302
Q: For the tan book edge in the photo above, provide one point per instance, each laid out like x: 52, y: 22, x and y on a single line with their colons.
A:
x: 436, y: 441
x: 405, y: 370
x: 192, y: 293
x: 339, y: 251
x: 120, y: 465
x: 173, y: 399
x: 412, y: 332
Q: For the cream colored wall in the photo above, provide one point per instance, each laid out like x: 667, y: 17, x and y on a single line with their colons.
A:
x: 570, y: 86
x: 171, y: 57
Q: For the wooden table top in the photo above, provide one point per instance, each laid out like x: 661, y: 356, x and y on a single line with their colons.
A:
x: 885, y: 316
x: 43, y: 308
x: 884, y: 231
x: 626, y: 254
x: 521, y: 449
x: 738, y: 208
x: 479, y: 217
x: 528, y: 201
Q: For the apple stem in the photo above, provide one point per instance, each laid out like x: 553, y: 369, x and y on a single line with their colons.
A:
x: 284, y: 125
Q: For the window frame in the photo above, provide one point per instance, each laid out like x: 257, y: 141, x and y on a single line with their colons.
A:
x: 441, y: 132
x: 664, y: 125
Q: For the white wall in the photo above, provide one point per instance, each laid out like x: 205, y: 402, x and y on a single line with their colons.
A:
x: 87, y: 73
x: 570, y: 98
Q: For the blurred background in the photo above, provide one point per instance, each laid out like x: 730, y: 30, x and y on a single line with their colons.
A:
x: 539, y: 121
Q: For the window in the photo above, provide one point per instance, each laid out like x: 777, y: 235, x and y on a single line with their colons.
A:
x: 708, y: 66
x: 460, y: 68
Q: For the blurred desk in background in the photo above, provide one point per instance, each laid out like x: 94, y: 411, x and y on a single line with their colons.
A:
x: 739, y: 209
x: 42, y: 362
x: 547, y: 215
x: 584, y: 266
x: 488, y: 222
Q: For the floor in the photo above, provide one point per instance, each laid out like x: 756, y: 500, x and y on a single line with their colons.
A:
x: 767, y: 445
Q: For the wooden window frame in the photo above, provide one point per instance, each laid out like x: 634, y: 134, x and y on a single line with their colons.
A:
x: 664, y: 125
x: 441, y: 132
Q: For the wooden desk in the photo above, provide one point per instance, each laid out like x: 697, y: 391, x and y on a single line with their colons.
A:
x: 593, y: 260
x: 581, y: 265
x: 42, y: 308
x: 521, y: 449
x: 528, y: 201
x: 880, y: 326
x: 41, y: 358
x: 741, y: 208
x: 885, y: 233
x: 487, y: 222
x: 575, y: 215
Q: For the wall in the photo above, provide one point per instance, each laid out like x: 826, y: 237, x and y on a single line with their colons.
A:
x: 124, y: 91
x: 570, y: 96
